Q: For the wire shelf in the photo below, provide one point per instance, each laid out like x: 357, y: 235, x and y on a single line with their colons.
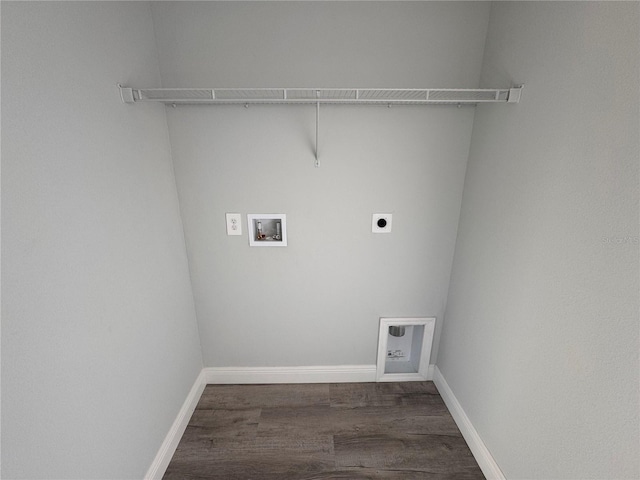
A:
x: 351, y: 96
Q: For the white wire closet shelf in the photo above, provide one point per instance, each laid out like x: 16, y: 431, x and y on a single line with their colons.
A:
x: 318, y: 96
x: 349, y: 96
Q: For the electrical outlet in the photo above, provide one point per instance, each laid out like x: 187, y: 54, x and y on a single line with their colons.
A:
x: 233, y: 224
x: 381, y: 222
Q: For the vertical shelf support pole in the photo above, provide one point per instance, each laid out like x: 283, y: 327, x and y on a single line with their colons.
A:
x: 317, y: 127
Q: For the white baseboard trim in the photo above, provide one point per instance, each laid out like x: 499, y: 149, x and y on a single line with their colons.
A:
x: 480, y: 451
x: 316, y: 374
x: 324, y: 374
x: 431, y: 371
x: 167, y: 449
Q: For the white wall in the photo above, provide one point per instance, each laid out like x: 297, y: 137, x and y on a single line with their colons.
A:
x: 540, y: 342
x: 318, y: 301
x: 99, y: 340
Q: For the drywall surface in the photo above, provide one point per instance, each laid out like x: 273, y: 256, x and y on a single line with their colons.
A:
x: 540, y: 342
x: 318, y: 301
x: 99, y: 339
x: 321, y: 44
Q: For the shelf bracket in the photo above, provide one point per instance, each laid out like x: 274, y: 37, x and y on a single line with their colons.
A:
x: 514, y: 94
x: 317, y: 127
x: 126, y: 94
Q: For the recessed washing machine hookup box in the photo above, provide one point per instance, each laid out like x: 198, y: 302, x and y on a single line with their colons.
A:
x: 404, y: 349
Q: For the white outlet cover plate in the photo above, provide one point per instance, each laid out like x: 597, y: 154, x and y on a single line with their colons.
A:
x: 376, y: 217
x: 234, y: 226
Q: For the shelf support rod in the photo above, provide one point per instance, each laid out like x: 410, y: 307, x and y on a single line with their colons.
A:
x: 317, y: 164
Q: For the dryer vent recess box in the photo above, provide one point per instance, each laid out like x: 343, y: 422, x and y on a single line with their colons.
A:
x: 381, y: 223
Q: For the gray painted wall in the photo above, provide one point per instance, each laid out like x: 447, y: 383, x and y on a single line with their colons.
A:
x: 99, y: 339
x: 318, y: 301
x: 540, y: 342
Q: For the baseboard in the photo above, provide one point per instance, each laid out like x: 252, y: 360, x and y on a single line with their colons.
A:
x: 431, y: 371
x: 324, y: 374
x: 319, y: 374
x: 480, y: 451
x: 170, y: 443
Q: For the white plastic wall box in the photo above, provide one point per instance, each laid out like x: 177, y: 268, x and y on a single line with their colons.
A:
x: 414, y: 365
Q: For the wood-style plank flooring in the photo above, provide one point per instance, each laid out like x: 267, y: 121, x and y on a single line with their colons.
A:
x: 390, y: 431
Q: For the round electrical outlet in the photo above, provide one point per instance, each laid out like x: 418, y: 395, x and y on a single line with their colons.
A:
x: 381, y: 223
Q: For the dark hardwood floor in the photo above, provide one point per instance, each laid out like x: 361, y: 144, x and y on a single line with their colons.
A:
x: 390, y: 431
